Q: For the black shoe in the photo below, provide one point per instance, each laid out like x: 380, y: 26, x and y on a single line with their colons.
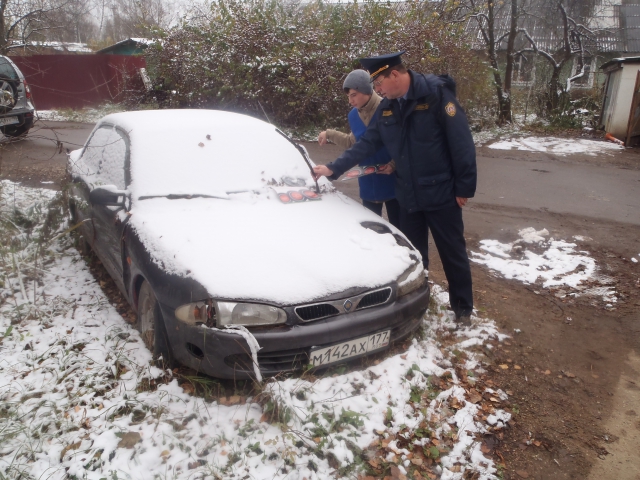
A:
x: 463, y: 320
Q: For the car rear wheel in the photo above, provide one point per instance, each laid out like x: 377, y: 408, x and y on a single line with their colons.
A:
x: 8, y: 94
x: 20, y: 131
x: 151, y: 326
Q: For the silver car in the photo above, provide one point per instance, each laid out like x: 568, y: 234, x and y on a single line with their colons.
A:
x: 16, y: 106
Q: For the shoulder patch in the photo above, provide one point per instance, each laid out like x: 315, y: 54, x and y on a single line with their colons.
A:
x: 450, y: 109
x: 387, y: 113
x: 422, y: 106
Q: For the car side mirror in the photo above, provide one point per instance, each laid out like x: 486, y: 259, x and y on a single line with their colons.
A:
x: 108, y: 195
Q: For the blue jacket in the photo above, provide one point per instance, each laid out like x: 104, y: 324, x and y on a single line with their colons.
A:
x: 430, y: 142
x: 373, y: 188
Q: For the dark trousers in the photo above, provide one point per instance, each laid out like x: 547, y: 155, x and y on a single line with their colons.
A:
x: 393, y: 210
x: 447, y: 231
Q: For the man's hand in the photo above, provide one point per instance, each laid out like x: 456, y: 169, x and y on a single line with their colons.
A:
x: 321, y: 171
x: 461, y: 201
x: 386, y: 169
x: 322, y: 138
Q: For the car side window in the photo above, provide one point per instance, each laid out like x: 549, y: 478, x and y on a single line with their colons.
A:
x: 104, y: 159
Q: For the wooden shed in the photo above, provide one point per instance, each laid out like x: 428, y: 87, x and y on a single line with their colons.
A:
x: 621, y: 106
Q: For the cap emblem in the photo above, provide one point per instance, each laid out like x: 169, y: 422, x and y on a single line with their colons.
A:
x: 382, y: 69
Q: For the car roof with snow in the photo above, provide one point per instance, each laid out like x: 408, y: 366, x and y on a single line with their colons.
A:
x: 227, y: 151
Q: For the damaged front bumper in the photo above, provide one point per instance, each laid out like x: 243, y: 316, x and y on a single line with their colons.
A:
x: 224, y: 354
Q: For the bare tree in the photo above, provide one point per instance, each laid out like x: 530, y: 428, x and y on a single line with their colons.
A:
x: 21, y: 21
x: 570, y: 44
x: 135, y: 18
x: 490, y: 19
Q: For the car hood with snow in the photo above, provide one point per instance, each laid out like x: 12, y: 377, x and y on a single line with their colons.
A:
x: 252, y: 246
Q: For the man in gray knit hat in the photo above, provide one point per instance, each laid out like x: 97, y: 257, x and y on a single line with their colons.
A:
x: 375, y: 190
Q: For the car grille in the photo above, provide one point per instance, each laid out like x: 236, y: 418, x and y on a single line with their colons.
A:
x: 314, y: 312
x: 317, y: 311
x: 374, y: 298
x: 271, y: 361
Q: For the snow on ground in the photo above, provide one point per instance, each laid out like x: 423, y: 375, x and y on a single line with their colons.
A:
x: 547, y: 263
x: 79, y: 397
x: 85, y: 115
x: 557, y: 146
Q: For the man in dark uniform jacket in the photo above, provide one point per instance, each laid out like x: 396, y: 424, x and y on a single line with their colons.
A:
x: 427, y: 134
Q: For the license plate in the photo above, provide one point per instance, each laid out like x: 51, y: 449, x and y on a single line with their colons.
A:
x: 352, y: 348
x: 8, y: 120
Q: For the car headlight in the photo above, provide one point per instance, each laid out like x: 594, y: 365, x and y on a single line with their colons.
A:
x: 249, y: 314
x: 197, y: 313
x: 412, y: 279
x: 230, y: 313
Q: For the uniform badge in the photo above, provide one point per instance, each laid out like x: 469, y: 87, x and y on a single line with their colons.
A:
x: 450, y: 109
x: 387, y: 113
x: 422, y: 106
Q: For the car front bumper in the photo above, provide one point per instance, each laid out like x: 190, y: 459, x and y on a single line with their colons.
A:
x: 223, y: 354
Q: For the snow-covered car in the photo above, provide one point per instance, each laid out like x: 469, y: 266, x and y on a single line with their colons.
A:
x: 212, y: 226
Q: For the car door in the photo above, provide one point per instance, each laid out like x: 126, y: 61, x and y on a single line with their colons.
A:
x: 108, y: 153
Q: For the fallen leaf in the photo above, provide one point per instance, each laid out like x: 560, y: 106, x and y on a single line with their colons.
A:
x: 404, y: 357
x: 73, y: 446
x: 208, y: 137
x: 188, y: 388
x: 485, y: 449
x: 435, y: 441
x: 416, y: 461
x: 455, y: 468
x: 594, y: 375
x: 517, y: 367
x: 474, y: 396
x: 396, y: 474
x: 201, y: 144
x: 494, y: 399
x: 522, y: 474
x: 547, y: 372
x: 569, y: 374
x: 374, y: 463
x: 504, y: 366
x: 129, y: 440
x: 537, y: 443
x: 165, y: 453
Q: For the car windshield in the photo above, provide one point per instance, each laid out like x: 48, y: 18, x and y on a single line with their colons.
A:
x: 206, y: 152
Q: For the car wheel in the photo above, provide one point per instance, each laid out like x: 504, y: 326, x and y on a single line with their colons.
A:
x: 151, y: 326
x: 7, y: 96
x: 20, y: 131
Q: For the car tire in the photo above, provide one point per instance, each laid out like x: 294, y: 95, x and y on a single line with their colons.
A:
x: 150, y: 324
x: 8, y: 95
x: 20, y: 131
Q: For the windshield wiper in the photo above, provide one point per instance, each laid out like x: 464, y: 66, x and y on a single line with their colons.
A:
x: 304, y: 154
x: 176, y: 196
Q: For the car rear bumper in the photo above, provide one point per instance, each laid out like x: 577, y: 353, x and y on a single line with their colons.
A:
x: 222, y: 354
x: 25, y: 117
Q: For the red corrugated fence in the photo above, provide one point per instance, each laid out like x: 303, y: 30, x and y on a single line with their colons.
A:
x: 76, y: 81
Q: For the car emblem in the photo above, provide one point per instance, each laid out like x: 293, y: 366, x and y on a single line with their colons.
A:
x: 347, y: 305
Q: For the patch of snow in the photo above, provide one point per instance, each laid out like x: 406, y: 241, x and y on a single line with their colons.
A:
x: 634, y: 260
x: 557, y: 146
x: 550, y: 263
